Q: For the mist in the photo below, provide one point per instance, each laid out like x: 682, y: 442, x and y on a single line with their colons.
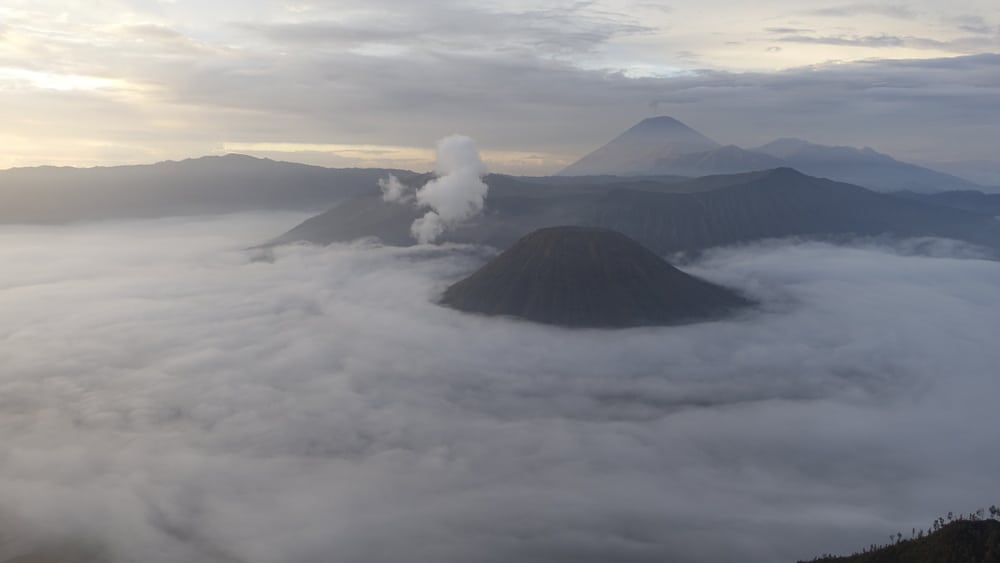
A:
x: 170, y: 396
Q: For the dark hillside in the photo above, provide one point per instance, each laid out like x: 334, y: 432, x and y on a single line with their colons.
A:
x: 585, y: 277
x: 669, y: 217
x: 962, y: 541
x: 780, y: 203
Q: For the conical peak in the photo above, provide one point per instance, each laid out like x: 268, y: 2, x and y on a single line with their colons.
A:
x: 578, y: 276
x: 785, y: 172
x: 661, y: 122
x: 640, y: 148
x: 573, y: 232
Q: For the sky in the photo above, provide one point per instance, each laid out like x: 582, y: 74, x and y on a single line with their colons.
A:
x: 211, y: 404
x: 538, y: 84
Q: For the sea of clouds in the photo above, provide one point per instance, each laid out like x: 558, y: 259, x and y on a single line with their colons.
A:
x: 167, y: 395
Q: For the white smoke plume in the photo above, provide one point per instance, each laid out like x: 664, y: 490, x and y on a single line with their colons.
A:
x: 394, y: 190
x: 456, y: 195
x: 428, y: 228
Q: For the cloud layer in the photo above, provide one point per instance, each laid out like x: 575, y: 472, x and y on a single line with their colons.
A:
x: 177, y: 398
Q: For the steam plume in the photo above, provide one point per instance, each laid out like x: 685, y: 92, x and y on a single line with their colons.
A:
x: 457, y: 194
x: 394, y: 190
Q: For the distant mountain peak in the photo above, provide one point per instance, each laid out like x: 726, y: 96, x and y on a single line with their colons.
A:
x: 791, y: 147
x: 638, y: 149
x: 863, y: 166
x: 661, y: 123
x: 240, y: 156
x: 665, y: 126
x: 664, y: 145
x: 785, y: 172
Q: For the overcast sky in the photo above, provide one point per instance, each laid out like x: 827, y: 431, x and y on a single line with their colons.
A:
x: 375, y: 82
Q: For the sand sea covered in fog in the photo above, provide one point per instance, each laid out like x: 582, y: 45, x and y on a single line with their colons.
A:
x: 170, y: 396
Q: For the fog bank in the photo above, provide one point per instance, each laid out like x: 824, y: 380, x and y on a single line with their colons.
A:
x: 169, y: 396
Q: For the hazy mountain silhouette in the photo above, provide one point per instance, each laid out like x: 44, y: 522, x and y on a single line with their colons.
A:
x: 668, y: 217
x: 663, y: 145
x: 729, y: 159
x: 866, y: 167
x: 638, y: 150
x: 587, y: 277
x: 602, y: 179
x: 208, y: 185
x: 969, y: 200
x: 982, y: 172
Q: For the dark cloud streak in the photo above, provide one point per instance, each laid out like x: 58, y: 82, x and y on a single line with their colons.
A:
x: 898, y: 11
x: 869, y: 41
x: 564, y: 32
x: 787, y: 30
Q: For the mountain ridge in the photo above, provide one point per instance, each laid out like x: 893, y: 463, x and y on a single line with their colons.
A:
x: 664, y: 145
x: 202, y: 185
x: 640, y: 146
x: 668, y: 217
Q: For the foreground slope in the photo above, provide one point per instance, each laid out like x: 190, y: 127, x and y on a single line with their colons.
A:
x: 586, y: 277
x: 963, y: 541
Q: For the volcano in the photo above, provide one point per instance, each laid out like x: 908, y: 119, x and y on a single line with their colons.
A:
x: 588, y: 277
x: 642, y: 147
